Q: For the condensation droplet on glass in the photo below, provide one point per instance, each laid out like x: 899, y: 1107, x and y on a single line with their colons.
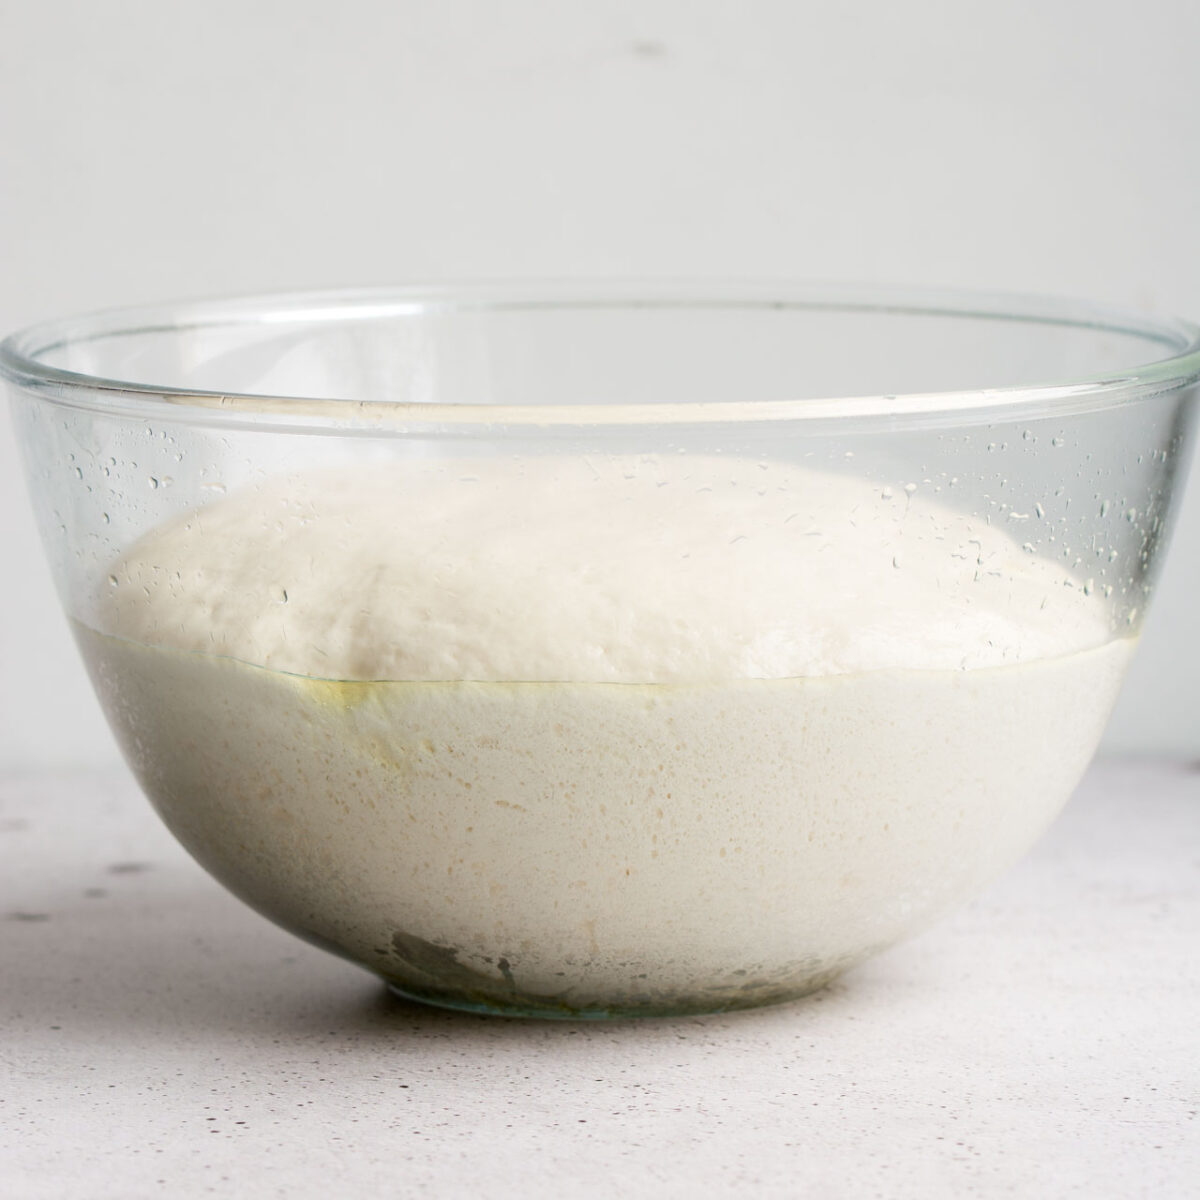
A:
x: 78, y: 473
x: 886, y: 494
x: 1027, y: 435
x: 153, y: 483
x: 105, y: 518
x: 1104, y: 508
x: 909, y: 488
x: 1039, y: 510
x: 112, y: 581
x: 1058, y: 441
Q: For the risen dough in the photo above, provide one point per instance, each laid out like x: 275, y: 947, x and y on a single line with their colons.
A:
x: 631, y: 570
x: 644, y: 735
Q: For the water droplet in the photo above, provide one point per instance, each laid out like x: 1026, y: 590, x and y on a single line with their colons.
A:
x: 153, y: 483
x: 909, y: 488
x: 1104, y: 508
x: 1027, y: 435
x: 886, y: 494
x: 112, y: 581
x: 105, y: 518
x: 78, y: 473
x: 1041, y: 512
x: 1058, y: 441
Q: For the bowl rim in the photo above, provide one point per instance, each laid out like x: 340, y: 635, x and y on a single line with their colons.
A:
x: 21, y: 365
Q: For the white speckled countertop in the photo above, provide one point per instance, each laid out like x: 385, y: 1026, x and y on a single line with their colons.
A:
x: 159, y: 1039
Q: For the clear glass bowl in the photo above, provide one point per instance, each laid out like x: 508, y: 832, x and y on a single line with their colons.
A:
x: 628, y: 649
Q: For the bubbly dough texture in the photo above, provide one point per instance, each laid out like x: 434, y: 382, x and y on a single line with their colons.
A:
x: 645, y: 847
x: 604, y: 569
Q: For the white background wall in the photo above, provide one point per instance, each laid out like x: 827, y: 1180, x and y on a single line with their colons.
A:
x: 152, y: 150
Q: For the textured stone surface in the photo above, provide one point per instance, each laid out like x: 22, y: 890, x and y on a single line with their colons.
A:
x: 157, y: 1038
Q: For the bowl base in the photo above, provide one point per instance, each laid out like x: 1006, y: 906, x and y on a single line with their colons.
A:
x: 532, y: 1007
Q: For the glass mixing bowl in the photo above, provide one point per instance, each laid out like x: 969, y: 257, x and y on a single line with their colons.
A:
x: 607, y: 650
